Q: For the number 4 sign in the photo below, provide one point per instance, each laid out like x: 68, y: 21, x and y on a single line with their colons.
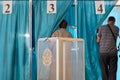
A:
x: 51, y: 7
x: 100, y: 8
x: 7, y: 7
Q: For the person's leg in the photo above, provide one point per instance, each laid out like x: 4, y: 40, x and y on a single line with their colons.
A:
x: 104, y: 61
x: 113, y: 66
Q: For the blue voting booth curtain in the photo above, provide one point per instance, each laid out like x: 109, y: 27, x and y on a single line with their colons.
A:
x: 14, y: 35
x: 88, y: 22
x: 45, y: 24
x: 14, y: 42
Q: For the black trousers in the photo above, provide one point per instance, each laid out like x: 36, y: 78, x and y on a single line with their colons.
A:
x: 108, y: 63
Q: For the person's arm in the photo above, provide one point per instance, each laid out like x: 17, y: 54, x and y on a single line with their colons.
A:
x: 98, y: 39
x: 99, y: 36
x: 70, y: 35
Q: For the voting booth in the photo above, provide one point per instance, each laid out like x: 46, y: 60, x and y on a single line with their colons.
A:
x: 60, y: 59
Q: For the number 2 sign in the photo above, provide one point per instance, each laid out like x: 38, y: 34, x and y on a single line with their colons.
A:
x: 7, y: 7
x: 100, y: 8
x: 51, y: 7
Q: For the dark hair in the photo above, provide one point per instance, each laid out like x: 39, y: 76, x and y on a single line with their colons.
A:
x: 111, y: 18
x: 63, y: 24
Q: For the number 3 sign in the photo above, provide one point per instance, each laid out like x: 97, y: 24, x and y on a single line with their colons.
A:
x: 100, y: 8
x: 51, y: 7
x: 7, y: 7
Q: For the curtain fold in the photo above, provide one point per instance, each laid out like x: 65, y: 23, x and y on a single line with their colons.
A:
x: 70, y: 18
x: 14, y: 43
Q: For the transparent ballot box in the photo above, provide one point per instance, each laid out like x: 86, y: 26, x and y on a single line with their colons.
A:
x: 60, y: 59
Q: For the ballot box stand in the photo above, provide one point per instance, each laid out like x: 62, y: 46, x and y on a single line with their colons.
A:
x: 60, y: 59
